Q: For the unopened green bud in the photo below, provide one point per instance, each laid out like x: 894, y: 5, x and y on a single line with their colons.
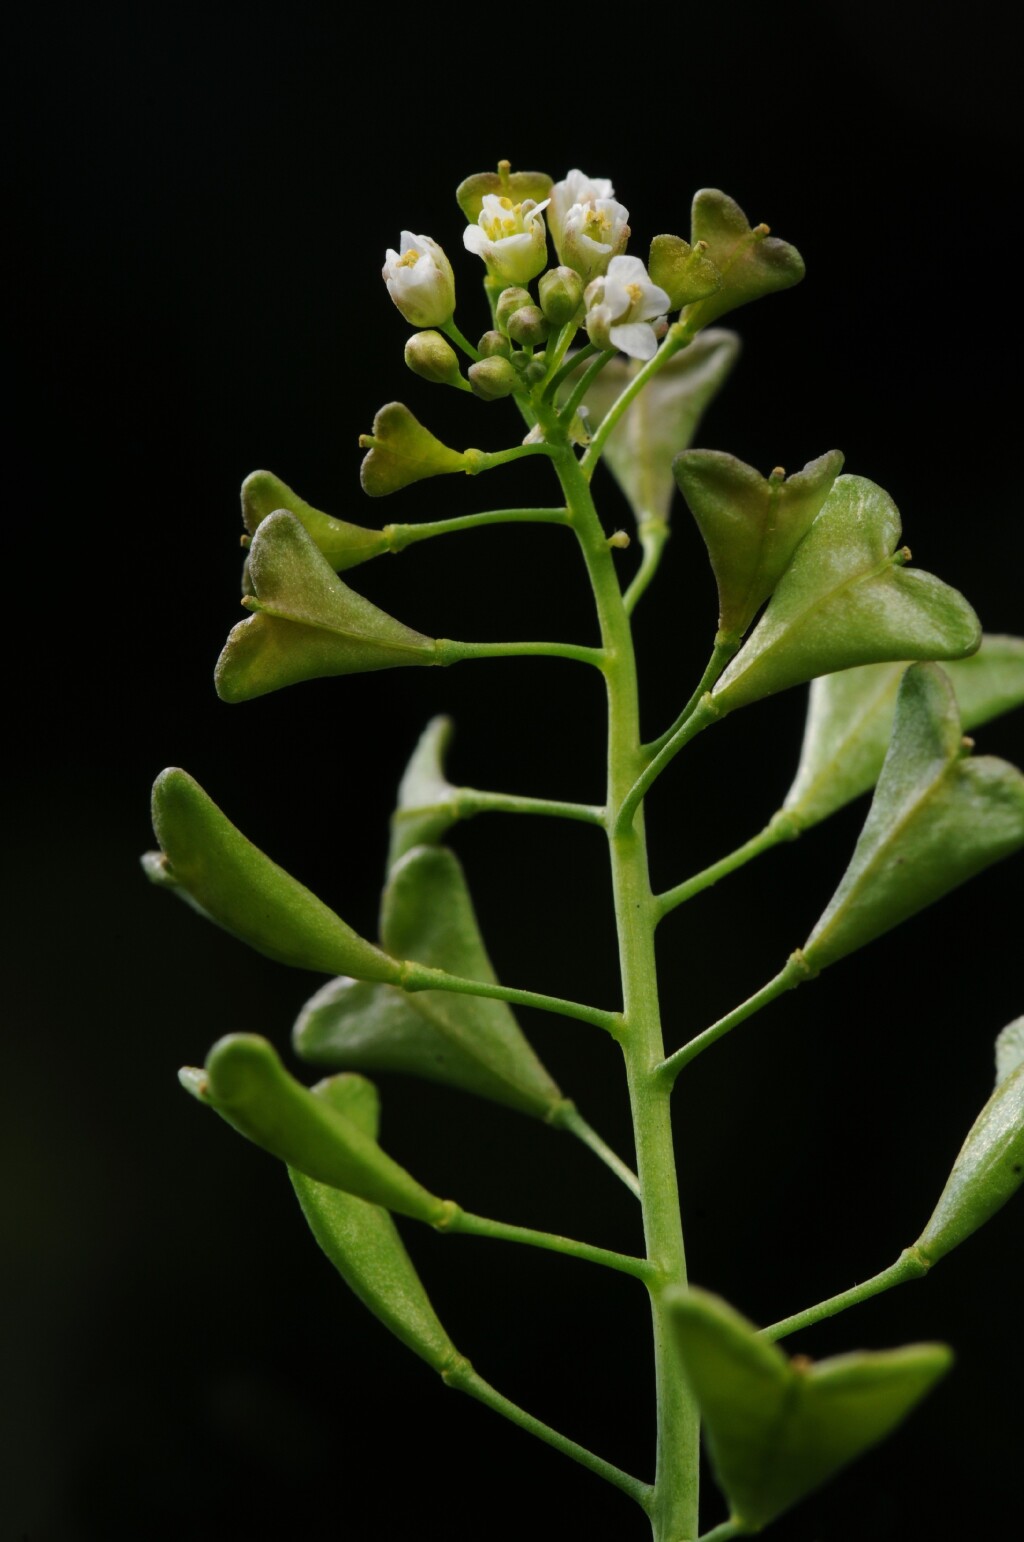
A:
x: 492, y: 378
x: 509, y: 301
x: 561, y: 295
x: 495, y: 343
x: 432, y: 357
x: 528, y: 326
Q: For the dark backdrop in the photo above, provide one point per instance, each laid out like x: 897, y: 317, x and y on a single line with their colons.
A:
x: 200, y: 209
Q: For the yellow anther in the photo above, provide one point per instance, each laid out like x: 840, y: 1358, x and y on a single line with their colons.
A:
x: 635, y: 293
x: 408, y: 259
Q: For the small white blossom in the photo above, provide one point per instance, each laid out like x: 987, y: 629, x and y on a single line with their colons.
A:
x: 621, y: 305
x: 510, y: 237
x: 420, y: 281
x: 575, y: 187
x: 592, y: 234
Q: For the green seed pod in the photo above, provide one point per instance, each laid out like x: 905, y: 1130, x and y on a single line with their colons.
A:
x: 363, y: 1243
x: 426, y: 805
x: 492, y: 378
x: 850, y: 714
x: 528, y: 326
x: 990, y: 1167
x: 402, y: 451
x: 938, y: 817
x: 751, y: 262
x: 433, y: 358
x: 465, y: 1041
x: 847, y: 598
x: 248, y: 1086
x: 503, y: 183
x: 751, y: 524
x: 561, y: 294
x: 777, y: 1429
x: 307, y: 623
x: 685, y: 272
x: 344, y: 545
x: 210, y: 864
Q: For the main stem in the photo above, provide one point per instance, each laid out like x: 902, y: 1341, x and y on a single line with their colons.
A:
x: 674, y: 1503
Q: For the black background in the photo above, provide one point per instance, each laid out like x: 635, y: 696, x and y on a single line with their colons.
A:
x: 199, y: 208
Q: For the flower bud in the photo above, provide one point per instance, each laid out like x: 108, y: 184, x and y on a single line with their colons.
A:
x: 527, y: 326
x: 509, y: 301
x: 493, y: 343
x: 492, y: 378
x: 561, y: 294
x: 432, y: 357
x: 420, y: 281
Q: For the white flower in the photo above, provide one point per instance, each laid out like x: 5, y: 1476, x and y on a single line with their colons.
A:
x: 420, y: 281
x: 574, y: 188
x: 510, y: 237
x: 592, y: 234
x: 621, y: 306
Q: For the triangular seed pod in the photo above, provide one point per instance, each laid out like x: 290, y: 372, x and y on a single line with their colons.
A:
x: 938, y: 817
x: 847, y: 599
x: 363, y: 1243
x: 776, y: 1428
x: 344, y: 545
x: 751, y: 262
x: 308, y: 624
x: 849, y: 721
x: 248, y: 1086
x: 208, y: 862
x: 466, y: 1041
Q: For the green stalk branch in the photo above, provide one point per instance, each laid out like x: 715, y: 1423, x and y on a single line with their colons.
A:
x: 787, y: 979
x: 486, y: 460
x: 703, y: 714
x: 583, y: 384
x: 781, y: 827
x: 720, y: 656
x: 652, y: 534
x: 910, y: 1265
x: 452, y: 331
x: 465, y: 1379
x: 449, y: 651
x: 462, y: 1222
x: 400, y: 536
x: 417, y: 977
x: 568, y: 1117
x: 551, y: 385
x: 726, y: 1531
x: 470, y: 800
x: 677, y: 337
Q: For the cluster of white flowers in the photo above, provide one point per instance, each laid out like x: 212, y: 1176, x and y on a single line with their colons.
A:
x: 589, y: 229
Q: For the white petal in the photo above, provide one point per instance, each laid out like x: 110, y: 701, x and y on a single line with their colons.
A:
x: 635, y: 338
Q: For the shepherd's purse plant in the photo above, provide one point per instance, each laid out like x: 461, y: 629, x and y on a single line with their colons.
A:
x: 606, y: 359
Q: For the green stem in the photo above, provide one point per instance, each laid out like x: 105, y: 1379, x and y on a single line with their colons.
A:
x: 781, y: 827
x: 551, y: 386
x: 568, y: 1117
x: 720, y: 656
x: 452, y: 331
x: 470, y: 800
x: 400, y: 536
x: 418, y: 977
x: 794, y: 971
x: 910, y: 1265
x: 703, y: 714
x: 582, y: 386
x: 652, y: 533
x: 678, y: 336
x: 448, y: 651
x: 726, y: 1531
x: 486, y: 460
x: 463, y: 1223
x: 464, y: 1379
x: 674, y: 1502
